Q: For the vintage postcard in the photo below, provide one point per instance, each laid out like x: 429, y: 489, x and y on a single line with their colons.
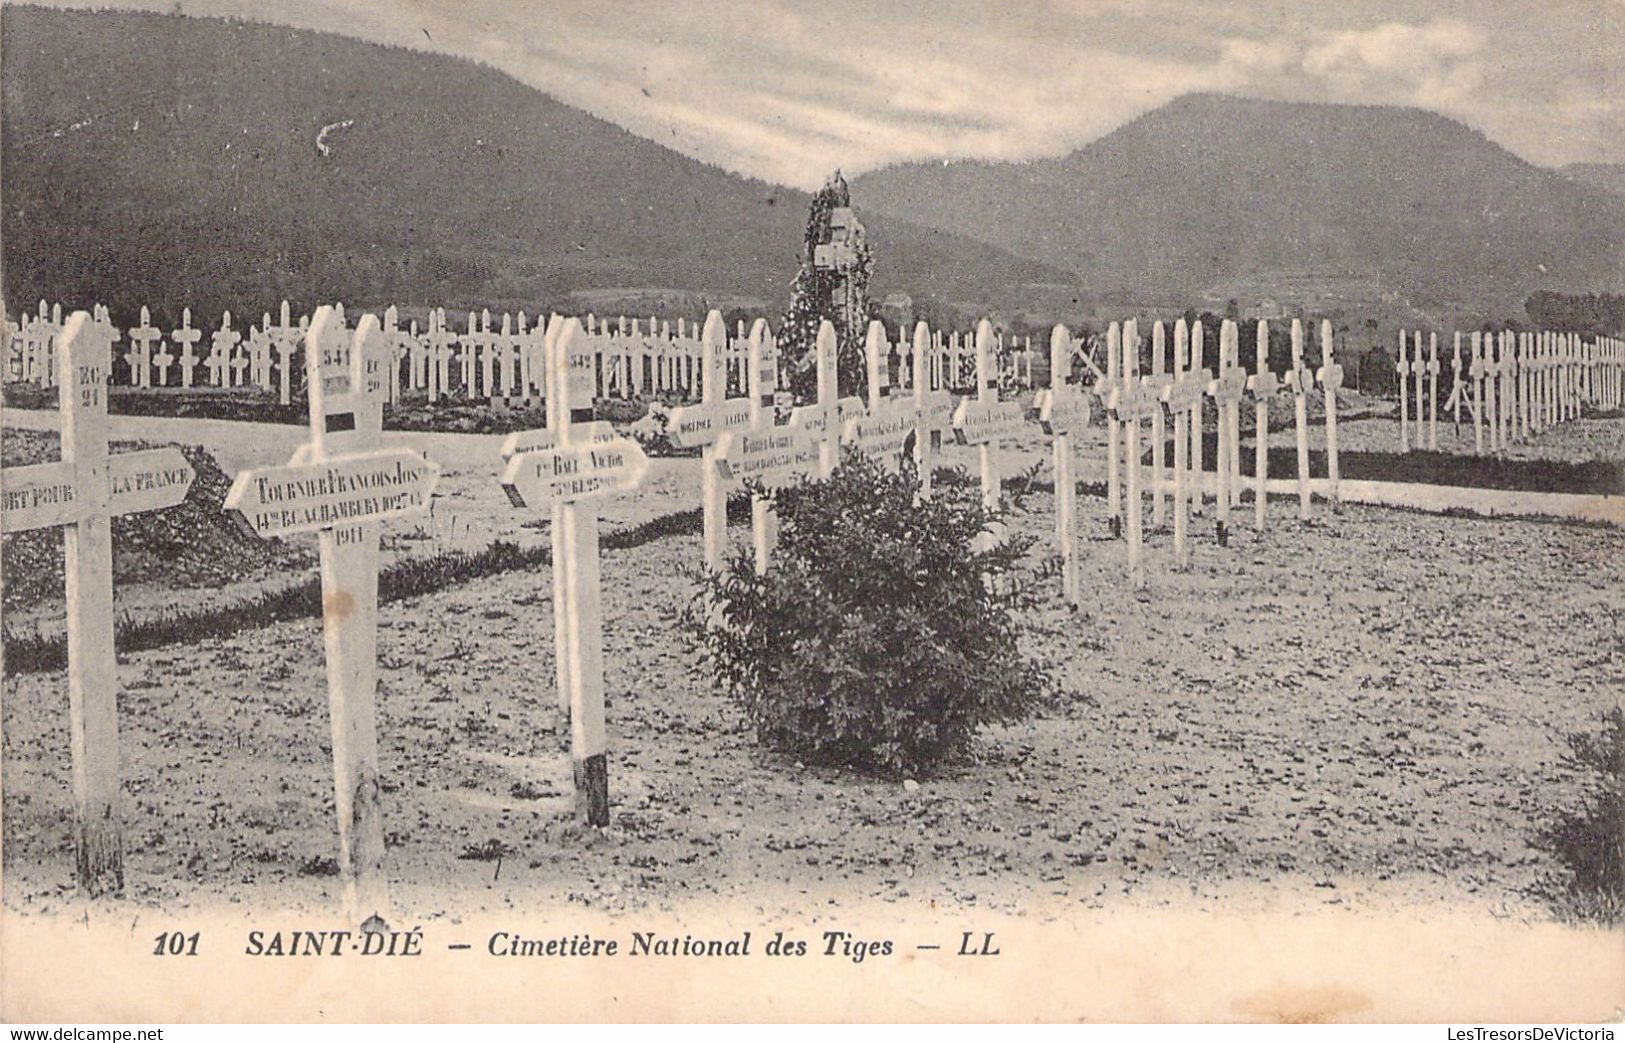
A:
x: 546, y: 511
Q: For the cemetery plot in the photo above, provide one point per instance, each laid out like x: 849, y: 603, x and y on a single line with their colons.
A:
x: 1194, y: 747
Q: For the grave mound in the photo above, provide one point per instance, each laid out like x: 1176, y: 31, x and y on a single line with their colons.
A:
x: 192, y: 545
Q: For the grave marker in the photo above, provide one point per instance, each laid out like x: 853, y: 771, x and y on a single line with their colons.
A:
x: 1433, y: 390
x: 1403, y: 368
x: 285, y: 338
x: 700, y: 425
x: 341, y: 485
x: 823, y: 420
x: 1062, y: 409
x: 1156, y: 383
x: 1456, y: 383
x: 765, y: 452
x: 1300, y: 382
x: 1133, y: 402
x: 933, y: 409
x: 1477, y: 370
x: 884, y: 428
x: 221, y: 347
x: 1419, y: 373
x: 142, y: 338
x: 186, y: 336
x: 1227, y: 391
x: 568, y: 478
x: 83, y: 492
x: 1183, y: 397
x: 1330, y: 377
x: 984, y: 421
x: 1198, y: 336
x: 1263, y: 385
x: 1105, y: 390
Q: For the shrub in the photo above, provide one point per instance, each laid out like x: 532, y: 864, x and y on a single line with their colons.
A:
x: 1589, y: 841
x: 879, y: 637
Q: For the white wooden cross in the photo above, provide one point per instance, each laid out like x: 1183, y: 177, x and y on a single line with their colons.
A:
x: 1330, y: 378
x: 222, y: 344
x: 984, y: 421
x: 1492, y: 380
x: 933, y: 409
x: 1105, y: 389
x: 53, y: 338
x: 1300, y: 381
x: 259, y: 352
x: 186, y: 336
x: 236, y: 362
x: 142, y: 338
x: 1227, y: 390
x: 1507, y: 390
x: 1532, y: 371
x: 285, y: 338
x: 1564, y: 405
x: 1478, y: 369
x: 28, y: 353
x: 1155, y: 384
x: 1402, y: 366
x: 1433, y: 390
x: 1551, y: 380
x: 160, y: 362
x: 1419, y: 376
x: 703, y: 425
x: 1198, y: 357
x: 883, y: 430
x: 1133, y: 401
x: 509, y: 375
x: 1263, y: 385
x: 468, y: 355
x: 1183, y: 397
x: 1538, y: 382
x: 394, y: 347
x: 488, y: 356
x: 103, y: 321
x: 341, y: 485
x: 824, y: 418
x: 440, y: 340
x: 569, y: 477
x: 522, y: 353
x: 1456, y: 383
x: 1509, y: 387
x: 765, y: 452
x: 1063, y: 409
x: 82, y: 493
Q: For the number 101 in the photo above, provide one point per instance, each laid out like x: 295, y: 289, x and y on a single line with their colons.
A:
x: 174, y: 943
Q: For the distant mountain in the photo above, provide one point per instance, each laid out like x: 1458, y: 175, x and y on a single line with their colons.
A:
x: 164, y: 159
x: 1608, y: 176
x: 1214, y: 191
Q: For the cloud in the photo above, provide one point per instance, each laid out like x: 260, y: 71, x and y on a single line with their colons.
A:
x: 1433, y: 64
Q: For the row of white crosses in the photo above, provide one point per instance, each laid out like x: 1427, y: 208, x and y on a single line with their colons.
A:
x: 81, y: 494
x: 1131, y: 399
x: 741, y: 440
x: 1515, y: 385
x: 491, y: 359
x: 31, y: 346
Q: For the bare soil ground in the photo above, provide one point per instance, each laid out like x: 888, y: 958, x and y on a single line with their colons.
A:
x: 1364, y: 710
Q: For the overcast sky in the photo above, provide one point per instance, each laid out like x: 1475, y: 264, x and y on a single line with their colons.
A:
x: 787, y: 90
